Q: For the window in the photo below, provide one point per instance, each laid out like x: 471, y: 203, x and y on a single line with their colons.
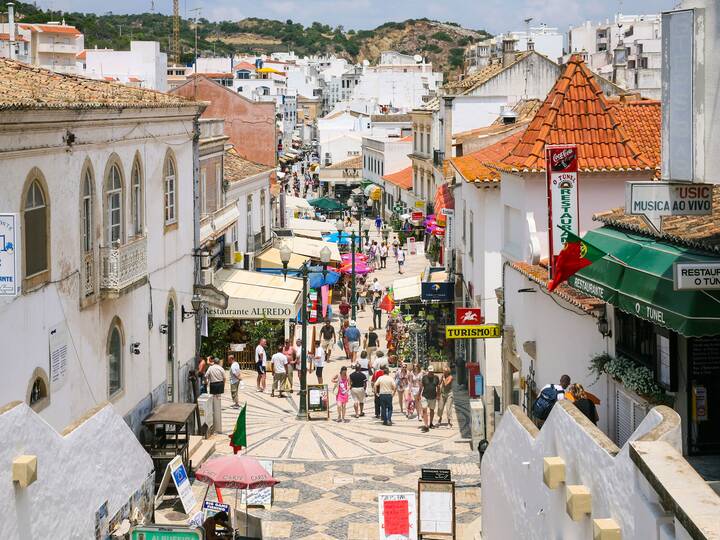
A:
x: 262, y: 214
x: 218, y: 184
x: 471, y: 233
x: 113, y: 205
x: 35, y: 222
x: 114, y: 352
x: 170, y: 191
x: 136, y: 199
x: 203, y: 191
x: 464, y: 219
x: 248, y: 224
x: 87, y: 212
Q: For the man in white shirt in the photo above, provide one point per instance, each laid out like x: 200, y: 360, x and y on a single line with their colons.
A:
x: 401, y: 259
x: 279, y: 363
x: 215, y: 376
x: 319, y: 362
x: 234, y: 380
x: 260, y: 364
x: 376, y: 286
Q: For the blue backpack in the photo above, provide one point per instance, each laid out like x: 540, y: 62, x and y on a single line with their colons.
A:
x: 545, y: 402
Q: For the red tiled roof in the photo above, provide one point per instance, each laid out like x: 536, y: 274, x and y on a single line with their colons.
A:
x: 82, y: 55
x: 110, y: 78
x: 6, y: 37
x: 409, y: 138
x: 472, y: 166
x: 402, y: 178
x: 52, y: 28
x: 642, y: 121
x: 213, y: 75
x: 134, y: 79
x: 244, y: 65
x: 539, y: 274
x: 577, y: 112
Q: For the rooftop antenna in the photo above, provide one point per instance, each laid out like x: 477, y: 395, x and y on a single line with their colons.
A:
x: 527, y: 32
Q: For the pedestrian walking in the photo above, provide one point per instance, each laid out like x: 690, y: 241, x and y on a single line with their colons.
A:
x: 327, y: 339
x: 289, y: 352
x: 377, y: 310
x: 376, y: 286
x: 385, y: 389
x: 383, y: 255
x: 344, y: 309
x: 202, y: 368
x: 365, y: 364
x: 401, y: 385
x: 235, y: 378
x: 446, y: 398
x: 362, y: 296
x: 400, y: 259
x: 215, y: 376
x: 583, y: 402
x: 279, y: 366
x: 378, y: 224
x: 414, y: 379
x: 429, y: 384
x: 371, y: 342
x: 395, y: 248
x: 375, y: 376
x: 261, y: 364
x: 358, y: 387
x: 352, y: 333
x: 319, y: 362
x: 549, y: 395
x: 342, y: 393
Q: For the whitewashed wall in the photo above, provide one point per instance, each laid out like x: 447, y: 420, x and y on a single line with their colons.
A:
x: 99, y: 460
x: 517, y: 504
x: 25, y: 321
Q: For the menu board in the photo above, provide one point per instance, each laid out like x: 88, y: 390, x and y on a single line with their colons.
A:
x: 318, y: 405
x: 705, y: 356
x: 397, y: 516
x: 437, y: 508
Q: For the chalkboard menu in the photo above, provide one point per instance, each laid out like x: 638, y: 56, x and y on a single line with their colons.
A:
x: 705, y: 356
x: 318, y: 404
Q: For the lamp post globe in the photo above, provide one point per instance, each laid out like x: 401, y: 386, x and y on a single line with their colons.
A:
x: 340, y: 225
x: 285, y: 253
x: 196, y: 302
x: 325, y: 255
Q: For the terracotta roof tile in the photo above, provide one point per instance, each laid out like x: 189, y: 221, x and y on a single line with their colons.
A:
x: 576, y: 111
x: 237, y: 168
x: 27, y: 87
x: 6, y: 37
x: 539, y: 274
x: 402, y: 178
x: 472, y: 166
x: 244, y: 65
x: 52, y: 29
x: 352, y: 163
x: 698, y: 232
x: 480, y: 77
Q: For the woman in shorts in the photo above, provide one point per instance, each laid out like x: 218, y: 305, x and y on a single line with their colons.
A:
x: 413, y: 402
x: 401, y: 385
x: 342, y: 387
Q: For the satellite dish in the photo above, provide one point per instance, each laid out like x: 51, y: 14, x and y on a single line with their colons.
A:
x: 366, y: 62
x: 418, y: 58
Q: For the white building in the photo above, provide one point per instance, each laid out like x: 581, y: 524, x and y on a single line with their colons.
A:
x: 626, y: 50
x: 104, y: 264
x: 143, y: 65
x: 383, y: 156
x: 545, y: 40
x: 55, y: 46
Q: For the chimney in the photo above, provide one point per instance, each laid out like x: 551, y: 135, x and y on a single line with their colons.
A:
x: 11, y: 29
x: 530, y: 44
x: 508, y: 50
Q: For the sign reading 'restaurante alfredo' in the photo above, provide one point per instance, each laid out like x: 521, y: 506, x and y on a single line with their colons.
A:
x: 562, y: 185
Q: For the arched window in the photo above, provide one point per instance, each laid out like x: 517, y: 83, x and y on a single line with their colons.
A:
x: 115, y: 361
x: 136, y: 199
x: 170, y: 191
x: 86, y: 210
x: 35, y: 223
x: 262, y: 214
x: 113, y: 205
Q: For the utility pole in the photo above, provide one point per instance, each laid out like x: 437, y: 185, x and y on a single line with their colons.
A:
x: 176, y: 32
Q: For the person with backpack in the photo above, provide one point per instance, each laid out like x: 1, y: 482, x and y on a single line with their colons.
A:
x: 549, y: 395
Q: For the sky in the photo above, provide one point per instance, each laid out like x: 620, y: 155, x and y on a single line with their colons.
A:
x: 496, y: 16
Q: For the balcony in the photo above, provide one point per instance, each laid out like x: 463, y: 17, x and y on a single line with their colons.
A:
x: 438, y: 158
x: 57, y: 48
x: 122, y: 265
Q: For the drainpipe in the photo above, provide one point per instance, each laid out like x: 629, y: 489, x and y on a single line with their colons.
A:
x: 196, y: 226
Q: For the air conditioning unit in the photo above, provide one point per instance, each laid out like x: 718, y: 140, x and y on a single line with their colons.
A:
x: 228, y: 255
x: 206, y: 276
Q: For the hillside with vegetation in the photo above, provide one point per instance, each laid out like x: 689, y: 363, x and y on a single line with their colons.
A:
x: 441, y: 43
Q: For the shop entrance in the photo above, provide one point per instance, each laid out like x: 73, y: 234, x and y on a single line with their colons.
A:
x: 704, y: 395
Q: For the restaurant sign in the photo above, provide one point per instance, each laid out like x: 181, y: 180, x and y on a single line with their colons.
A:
x: 562, y: 189
x: 248, y: 309
x: 655, y: 200
x: 694, y: 276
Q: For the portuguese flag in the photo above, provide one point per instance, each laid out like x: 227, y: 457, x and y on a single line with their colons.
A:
x: 238, y: 440
x: 576, y: 255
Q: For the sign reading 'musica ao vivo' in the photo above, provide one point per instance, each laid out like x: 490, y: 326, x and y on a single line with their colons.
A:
x: 654, y: 200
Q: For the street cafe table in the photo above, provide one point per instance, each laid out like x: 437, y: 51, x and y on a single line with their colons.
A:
x: 170, y: 426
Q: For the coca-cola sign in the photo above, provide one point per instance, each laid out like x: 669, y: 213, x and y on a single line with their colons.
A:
x: 562, y: 158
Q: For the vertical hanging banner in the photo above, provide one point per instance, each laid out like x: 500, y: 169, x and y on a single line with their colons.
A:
x: 561, y: 165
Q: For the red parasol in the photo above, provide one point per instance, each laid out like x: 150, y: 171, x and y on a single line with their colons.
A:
x: 240, y: 472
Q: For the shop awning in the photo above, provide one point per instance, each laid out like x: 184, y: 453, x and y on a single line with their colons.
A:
x: 311, y: 225
x: 297, y: 202
x: 254, y: 295
x: 637, y: 278
x: 406, y: 288
x: 443, y: 199
x: 270, y: 258
x: 311, y: 248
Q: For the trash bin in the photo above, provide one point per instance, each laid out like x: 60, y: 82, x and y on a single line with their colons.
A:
x: 474, y: 379
x: 205, y: 407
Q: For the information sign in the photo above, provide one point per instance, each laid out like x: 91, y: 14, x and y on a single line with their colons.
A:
x: 166, y: 532
x: 655, y: 200
x: 176, y: 470
x: 419, y: 204
x: 436, y: 502
x: 465, y: 316
x: 416, y: 216
x: 693, y: 276
x: 317, y: 401
x: 397, y: 516
x: 438, y: 291
x: 481, y: 331
x: 261, y: 496
x: 562, y: 187
x: 436, y: 474
x: 9, y: 285
x: 58, y: 354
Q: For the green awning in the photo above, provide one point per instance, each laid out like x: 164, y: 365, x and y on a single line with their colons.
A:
x: 637, y: 277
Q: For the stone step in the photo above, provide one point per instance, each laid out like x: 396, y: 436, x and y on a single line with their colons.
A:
x: 195, y: 441
x: 203, y: 452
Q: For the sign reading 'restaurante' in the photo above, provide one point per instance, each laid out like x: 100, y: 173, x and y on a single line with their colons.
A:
x: 562, y: 185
